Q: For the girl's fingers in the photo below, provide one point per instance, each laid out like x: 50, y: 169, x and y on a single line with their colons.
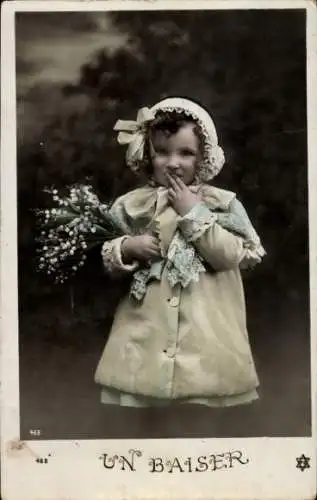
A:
x: 153, y: 253
x: 171, y: 194
x: 155, y: 241
x: 153, y: 244
x: 173, y: 184
x: 173, y: 190
x: 155, y: 249
x: 152, y: 250
x: 180, y: 183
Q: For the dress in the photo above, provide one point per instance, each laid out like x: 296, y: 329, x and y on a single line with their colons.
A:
x: 182, y: 343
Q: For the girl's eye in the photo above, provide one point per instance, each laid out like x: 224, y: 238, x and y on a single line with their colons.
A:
x: 188, y: 152
x: 160, y: 151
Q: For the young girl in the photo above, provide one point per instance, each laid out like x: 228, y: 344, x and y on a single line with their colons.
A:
x: 180, y: 335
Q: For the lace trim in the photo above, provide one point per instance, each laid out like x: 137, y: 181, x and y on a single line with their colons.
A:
x: 253, y: 255
x: 139, y: 283
x: 142, y: 277
x: 183, y: 263
x: 196, y: 222
x: 112, y: 259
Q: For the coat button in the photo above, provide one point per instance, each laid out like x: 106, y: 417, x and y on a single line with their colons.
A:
x: 170, y: 352
x: 173, y: 301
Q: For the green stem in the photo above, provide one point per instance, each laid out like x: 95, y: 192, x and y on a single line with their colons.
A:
x: 72, y: 300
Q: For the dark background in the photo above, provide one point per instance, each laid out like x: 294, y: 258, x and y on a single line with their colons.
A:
x: 77, y: 73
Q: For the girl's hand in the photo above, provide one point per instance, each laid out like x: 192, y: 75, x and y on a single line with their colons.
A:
x: 142, y: 247
x: 180, y: 196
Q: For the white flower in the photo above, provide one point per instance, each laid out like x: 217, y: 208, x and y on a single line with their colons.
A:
x: 73, y: 194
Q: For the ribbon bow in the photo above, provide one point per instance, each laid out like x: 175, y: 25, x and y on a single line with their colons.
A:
x: 132, y: 133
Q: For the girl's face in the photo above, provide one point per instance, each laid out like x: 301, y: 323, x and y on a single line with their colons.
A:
x: 177, y: 154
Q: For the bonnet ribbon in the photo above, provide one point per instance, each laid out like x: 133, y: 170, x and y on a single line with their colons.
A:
x: 132, y: 133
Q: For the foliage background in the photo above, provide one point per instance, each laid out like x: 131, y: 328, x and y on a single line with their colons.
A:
x: 77, y: 73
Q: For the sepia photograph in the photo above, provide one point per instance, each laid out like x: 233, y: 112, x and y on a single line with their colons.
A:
x: 77, y: 74
x: 158, y: 191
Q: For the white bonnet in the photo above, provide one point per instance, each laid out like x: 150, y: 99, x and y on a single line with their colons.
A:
x: 133, y: 134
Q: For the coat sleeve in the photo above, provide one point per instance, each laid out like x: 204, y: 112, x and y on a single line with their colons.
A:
x: 111, y: 249
x: 221, y: 247
x: 112, y: 258
x: 239, y: 220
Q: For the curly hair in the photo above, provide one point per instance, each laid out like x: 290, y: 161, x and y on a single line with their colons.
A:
x: 168, y: 122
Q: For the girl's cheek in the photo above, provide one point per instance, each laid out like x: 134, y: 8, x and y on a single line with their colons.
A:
x: 159, y: 162
x: 191, y: 164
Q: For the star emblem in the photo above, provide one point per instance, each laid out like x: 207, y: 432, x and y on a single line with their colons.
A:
x: 303, y: 462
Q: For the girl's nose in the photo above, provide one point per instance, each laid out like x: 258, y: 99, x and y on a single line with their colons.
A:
x: 172, y: 162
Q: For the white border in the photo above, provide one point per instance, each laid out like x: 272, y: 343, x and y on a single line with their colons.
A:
x: 311, y: 75
x: 109, y: 5
x: 74, y: 471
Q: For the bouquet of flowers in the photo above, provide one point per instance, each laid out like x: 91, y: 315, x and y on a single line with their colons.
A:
x: 75, y: 224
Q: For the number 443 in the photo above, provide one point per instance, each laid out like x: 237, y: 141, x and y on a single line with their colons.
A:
x: 35, y: 432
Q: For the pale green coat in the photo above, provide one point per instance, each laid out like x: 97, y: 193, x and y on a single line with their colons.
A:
x: 187, y: 344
